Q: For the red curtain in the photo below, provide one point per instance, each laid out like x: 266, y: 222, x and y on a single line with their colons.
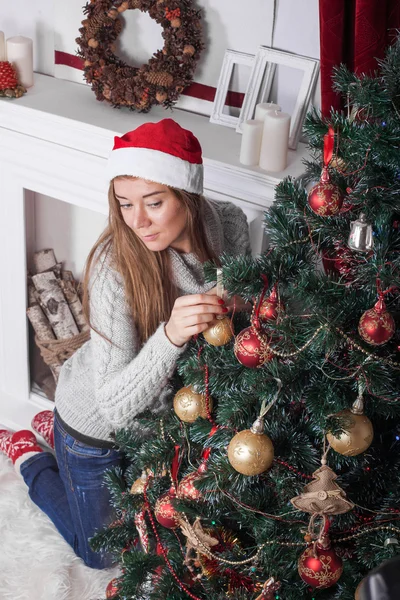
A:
x: 356, y: 33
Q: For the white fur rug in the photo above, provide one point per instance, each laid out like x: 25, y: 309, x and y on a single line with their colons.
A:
x: 35, y: 561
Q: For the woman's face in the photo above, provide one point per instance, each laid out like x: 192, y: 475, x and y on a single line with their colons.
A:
x: 154, y: 213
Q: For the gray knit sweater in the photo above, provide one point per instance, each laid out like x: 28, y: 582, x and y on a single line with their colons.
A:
x: 104, y: 386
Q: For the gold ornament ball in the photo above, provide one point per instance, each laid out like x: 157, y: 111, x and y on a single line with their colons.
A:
x: 188, y: 405
x: 92, y: 43
x: 138, y: 486
x: 250, y: 453
x: 337, y: 163
x: 357, y: 438
x: 220, y: 332
x: 175, y: 23
x: 357, y: 595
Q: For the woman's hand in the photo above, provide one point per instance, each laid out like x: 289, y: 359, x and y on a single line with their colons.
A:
x: 234, y: 302
x: 191, y: 315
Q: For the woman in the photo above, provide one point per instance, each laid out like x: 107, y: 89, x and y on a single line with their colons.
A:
x: 144, y: 297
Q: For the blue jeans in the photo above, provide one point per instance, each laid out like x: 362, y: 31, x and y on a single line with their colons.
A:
x: 70, y: 490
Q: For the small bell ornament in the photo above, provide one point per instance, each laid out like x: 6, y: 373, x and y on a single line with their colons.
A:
x: 361, y: 238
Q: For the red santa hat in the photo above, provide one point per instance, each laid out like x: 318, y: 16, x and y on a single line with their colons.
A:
x: 163, y: 152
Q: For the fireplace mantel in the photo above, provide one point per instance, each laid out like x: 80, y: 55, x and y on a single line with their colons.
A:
x: 67, y: 114
x: 55, y: 141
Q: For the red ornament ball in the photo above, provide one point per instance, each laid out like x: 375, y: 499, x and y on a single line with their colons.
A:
x: 377, y: 326
x: 186, y: 489
x: 165, y: 513
x: 320, y: 569
x: 251, y: 348
x: 112, y: 589
x: 325, y: 198
x: 270, y: 307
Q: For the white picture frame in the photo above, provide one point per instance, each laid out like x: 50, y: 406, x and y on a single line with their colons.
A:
x: 260, y: 83
x: 231, y: 58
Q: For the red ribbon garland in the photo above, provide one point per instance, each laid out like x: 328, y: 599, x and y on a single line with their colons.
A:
x: 256, y: 318
x: 207, y: 451
x: 176, y: 463
x: 329, y: 142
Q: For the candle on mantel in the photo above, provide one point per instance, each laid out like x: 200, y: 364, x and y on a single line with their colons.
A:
x: 251, y: 142
x: 275, y: 140
x: 2, y: 47
x: 20, y: 54
x: 263, y: 109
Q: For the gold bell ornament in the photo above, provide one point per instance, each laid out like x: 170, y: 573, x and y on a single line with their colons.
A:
x: 220, y: 331
x: 361, y: 236
x: 358, y: 430
x: 139, y: 485
x: 357, y: 595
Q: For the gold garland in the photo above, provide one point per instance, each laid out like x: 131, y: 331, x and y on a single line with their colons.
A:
x: 352, y: 343
x: 211, y: 555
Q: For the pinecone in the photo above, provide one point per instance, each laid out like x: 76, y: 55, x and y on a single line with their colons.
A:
x: 94, y: 24
x: 8, y: 76
x: 161, y: 78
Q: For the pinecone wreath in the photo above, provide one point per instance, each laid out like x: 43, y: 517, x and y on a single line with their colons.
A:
x: 168, y: 72
x: 9, y: 86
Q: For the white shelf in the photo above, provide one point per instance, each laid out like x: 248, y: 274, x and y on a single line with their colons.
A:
x: 68, y: 114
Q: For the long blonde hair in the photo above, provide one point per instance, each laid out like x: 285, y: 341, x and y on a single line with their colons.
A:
x: 148, y: 281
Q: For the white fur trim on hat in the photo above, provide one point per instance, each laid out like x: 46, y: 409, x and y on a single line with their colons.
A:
x: 154, y: 165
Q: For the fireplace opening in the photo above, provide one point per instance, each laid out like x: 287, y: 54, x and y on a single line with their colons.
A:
x: 59, y: 236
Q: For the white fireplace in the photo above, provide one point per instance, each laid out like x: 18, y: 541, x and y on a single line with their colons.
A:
x: 53, y: 147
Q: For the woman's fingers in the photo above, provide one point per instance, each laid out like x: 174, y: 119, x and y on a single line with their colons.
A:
x: 197, y: 319
x: 196, y: 329
x: 202, y: 309
x: 198, y: 299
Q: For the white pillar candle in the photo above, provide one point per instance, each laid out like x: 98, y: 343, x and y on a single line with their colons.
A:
x: 2, y: 47
x: 20, y: 54
x: 275, y: 140
x: 251, y: 142
x: 263, y: 108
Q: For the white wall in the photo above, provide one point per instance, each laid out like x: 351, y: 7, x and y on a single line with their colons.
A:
x: 35, y: 20
x: 70, y: 230
x: 296, y: 27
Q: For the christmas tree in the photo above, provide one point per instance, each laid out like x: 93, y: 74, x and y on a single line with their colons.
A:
x: 277, y: 473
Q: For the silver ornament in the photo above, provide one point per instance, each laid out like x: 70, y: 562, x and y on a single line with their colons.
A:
x: 391, y: 542
x: 361, y: 238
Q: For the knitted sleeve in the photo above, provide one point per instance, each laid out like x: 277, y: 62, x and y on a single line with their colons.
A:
x: 128, y: 378
x: 235, y: 228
